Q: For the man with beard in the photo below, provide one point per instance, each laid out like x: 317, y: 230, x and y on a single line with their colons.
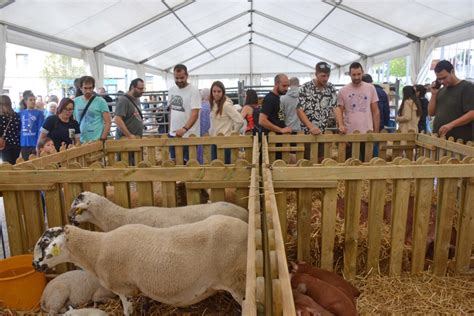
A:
x: 91, y: 112
x: 184, y: 104
x: 357, y: 104
x: 316, y: 101
x: 128, y: 114
x: 272, y: 117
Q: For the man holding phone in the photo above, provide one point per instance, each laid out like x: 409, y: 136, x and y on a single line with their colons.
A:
x: 452, y: 105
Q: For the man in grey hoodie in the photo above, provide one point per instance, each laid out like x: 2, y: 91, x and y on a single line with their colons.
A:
x: 288, y: 103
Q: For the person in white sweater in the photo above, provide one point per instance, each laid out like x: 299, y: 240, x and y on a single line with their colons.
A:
x: 225, y: 119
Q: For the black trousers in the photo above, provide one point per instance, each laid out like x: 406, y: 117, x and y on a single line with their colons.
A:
x: 10, y: 153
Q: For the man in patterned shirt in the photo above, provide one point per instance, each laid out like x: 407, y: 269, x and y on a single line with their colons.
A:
x: 317, y: 100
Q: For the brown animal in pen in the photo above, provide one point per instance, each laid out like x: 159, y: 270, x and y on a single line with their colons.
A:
x: 306, y: 306
x: 328, y: 296
x: 327, y: 276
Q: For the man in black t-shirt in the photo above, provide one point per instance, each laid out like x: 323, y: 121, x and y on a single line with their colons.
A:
x: 272, y: 117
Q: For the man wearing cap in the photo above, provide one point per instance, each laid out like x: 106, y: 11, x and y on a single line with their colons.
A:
x: 316, y: 101
x: 384, y: 107
x: 452, y: 105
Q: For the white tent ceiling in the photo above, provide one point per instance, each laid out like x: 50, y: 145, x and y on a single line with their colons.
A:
x: 234, y: 37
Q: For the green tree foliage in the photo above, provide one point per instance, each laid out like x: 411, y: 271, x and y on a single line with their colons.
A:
x: 398, y: 67
x: 59, y: 70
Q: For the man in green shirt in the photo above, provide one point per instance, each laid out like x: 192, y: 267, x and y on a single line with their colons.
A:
x: 452, y: 105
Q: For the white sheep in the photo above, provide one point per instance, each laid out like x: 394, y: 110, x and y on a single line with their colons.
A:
x: 179, y: 265
x: 96, y: 209
x: 72, y: 288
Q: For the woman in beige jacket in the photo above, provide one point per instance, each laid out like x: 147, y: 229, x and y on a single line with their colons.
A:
x: 410, y: 111
x: 225, y: 119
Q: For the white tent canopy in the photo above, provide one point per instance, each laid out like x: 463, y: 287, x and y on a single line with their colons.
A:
x: 236, y: 37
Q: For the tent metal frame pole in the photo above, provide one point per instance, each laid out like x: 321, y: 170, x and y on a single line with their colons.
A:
x: 312, y: 30
x: 211, y: 48
x: 302, y: 30
x: 366, y: 17
x: 143, y: 24
x: 250, y: 43
x: 187, y: 28
x: 284, y: 56
x: 296, y: 49
x: 235, y: 17
x: 218, y: 57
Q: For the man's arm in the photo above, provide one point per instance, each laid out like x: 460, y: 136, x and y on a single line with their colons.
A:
x: 40, y: 138
x: 122, y: 127
x: 304, y: 119
x: 374, y: 106
x: 338, y: 110
x: 107, y: 125
x: 432, y: 103
x: 265, y: 122
x: 189, y: 123
x: 463, y: 120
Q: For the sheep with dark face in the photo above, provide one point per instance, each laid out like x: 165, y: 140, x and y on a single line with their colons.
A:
x: 72, y: 288
x: 179, y: 265
x: 98, y: 210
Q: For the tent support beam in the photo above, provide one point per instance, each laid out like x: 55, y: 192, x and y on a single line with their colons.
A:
x: 210, y: 48
x: 218, y: 57
x: 339, y: 5
x: 296, y: 49
x: 302, y: 30
x: 187, y: 28
x: 142, y: 25
x: 284, y: 56
x: 312, y: 30
x: 235, y: 17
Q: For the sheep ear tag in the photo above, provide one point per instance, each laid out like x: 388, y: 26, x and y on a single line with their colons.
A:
x: 55, y: 251
x: 79, y: 211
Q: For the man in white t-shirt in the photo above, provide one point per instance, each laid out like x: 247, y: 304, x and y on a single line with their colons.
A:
x: 184, y: 104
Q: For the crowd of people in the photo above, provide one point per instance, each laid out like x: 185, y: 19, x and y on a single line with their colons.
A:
x: 359, y: 106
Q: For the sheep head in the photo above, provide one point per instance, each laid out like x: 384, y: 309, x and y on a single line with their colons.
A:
x: 50, y: 249
x: 79, y: 212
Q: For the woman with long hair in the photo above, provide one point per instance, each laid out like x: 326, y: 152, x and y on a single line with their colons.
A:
x: 10, y: 125
x: 62, y: 128
x: 251, y: 111
x: 225, y: 119
x: 420, y: 91
x: 410, y: 111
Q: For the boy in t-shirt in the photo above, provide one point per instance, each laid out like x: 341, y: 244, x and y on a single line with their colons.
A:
x: 31, y: 122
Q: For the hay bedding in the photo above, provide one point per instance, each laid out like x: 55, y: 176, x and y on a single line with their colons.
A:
x: 380, y: 294
x: 221, y: 304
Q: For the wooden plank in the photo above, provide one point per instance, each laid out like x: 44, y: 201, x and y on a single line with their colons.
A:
x: 314, y: 153
x: 304, y: 184
x: 300, y: 154
x: 328, y: 227
x: 145, y: 189
x: 465, y: 237
x: 355, y: 153
x: 241, y: 197
x: 421, y: 217
x: 234, y: 155
x: 369, y: 151
x: 277, y: 298
x: 193, y: 196
x: 179, y: 158
x: 352, y: 198
x: 286, y: 152
x: 16, y: 237
x: 280, y: 196
x: 446, y: 145
x: 137, y: 156
x: 445, y: 214
x: 151, y: 155
x: 168, y: 191
x: 206, y: 154
x: 217, y: 195
x: 192, y: 152
x: 34, y: 217
x: 375, y: 219
x: 125, y: 158
x: 110, y: 159
x: 327, y: 150
x: 304, y: 224
x: 400, y: 199
x: 329, y: 138
x: 248, y: 154
x: 396, y: 151
x: 341, y: 152
x: 27, y: 187
x: 367, y: 172
x: 121, y: 189
x: 216, y: 184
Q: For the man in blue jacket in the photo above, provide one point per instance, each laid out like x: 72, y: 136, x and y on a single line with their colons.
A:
x: 384, y: 107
